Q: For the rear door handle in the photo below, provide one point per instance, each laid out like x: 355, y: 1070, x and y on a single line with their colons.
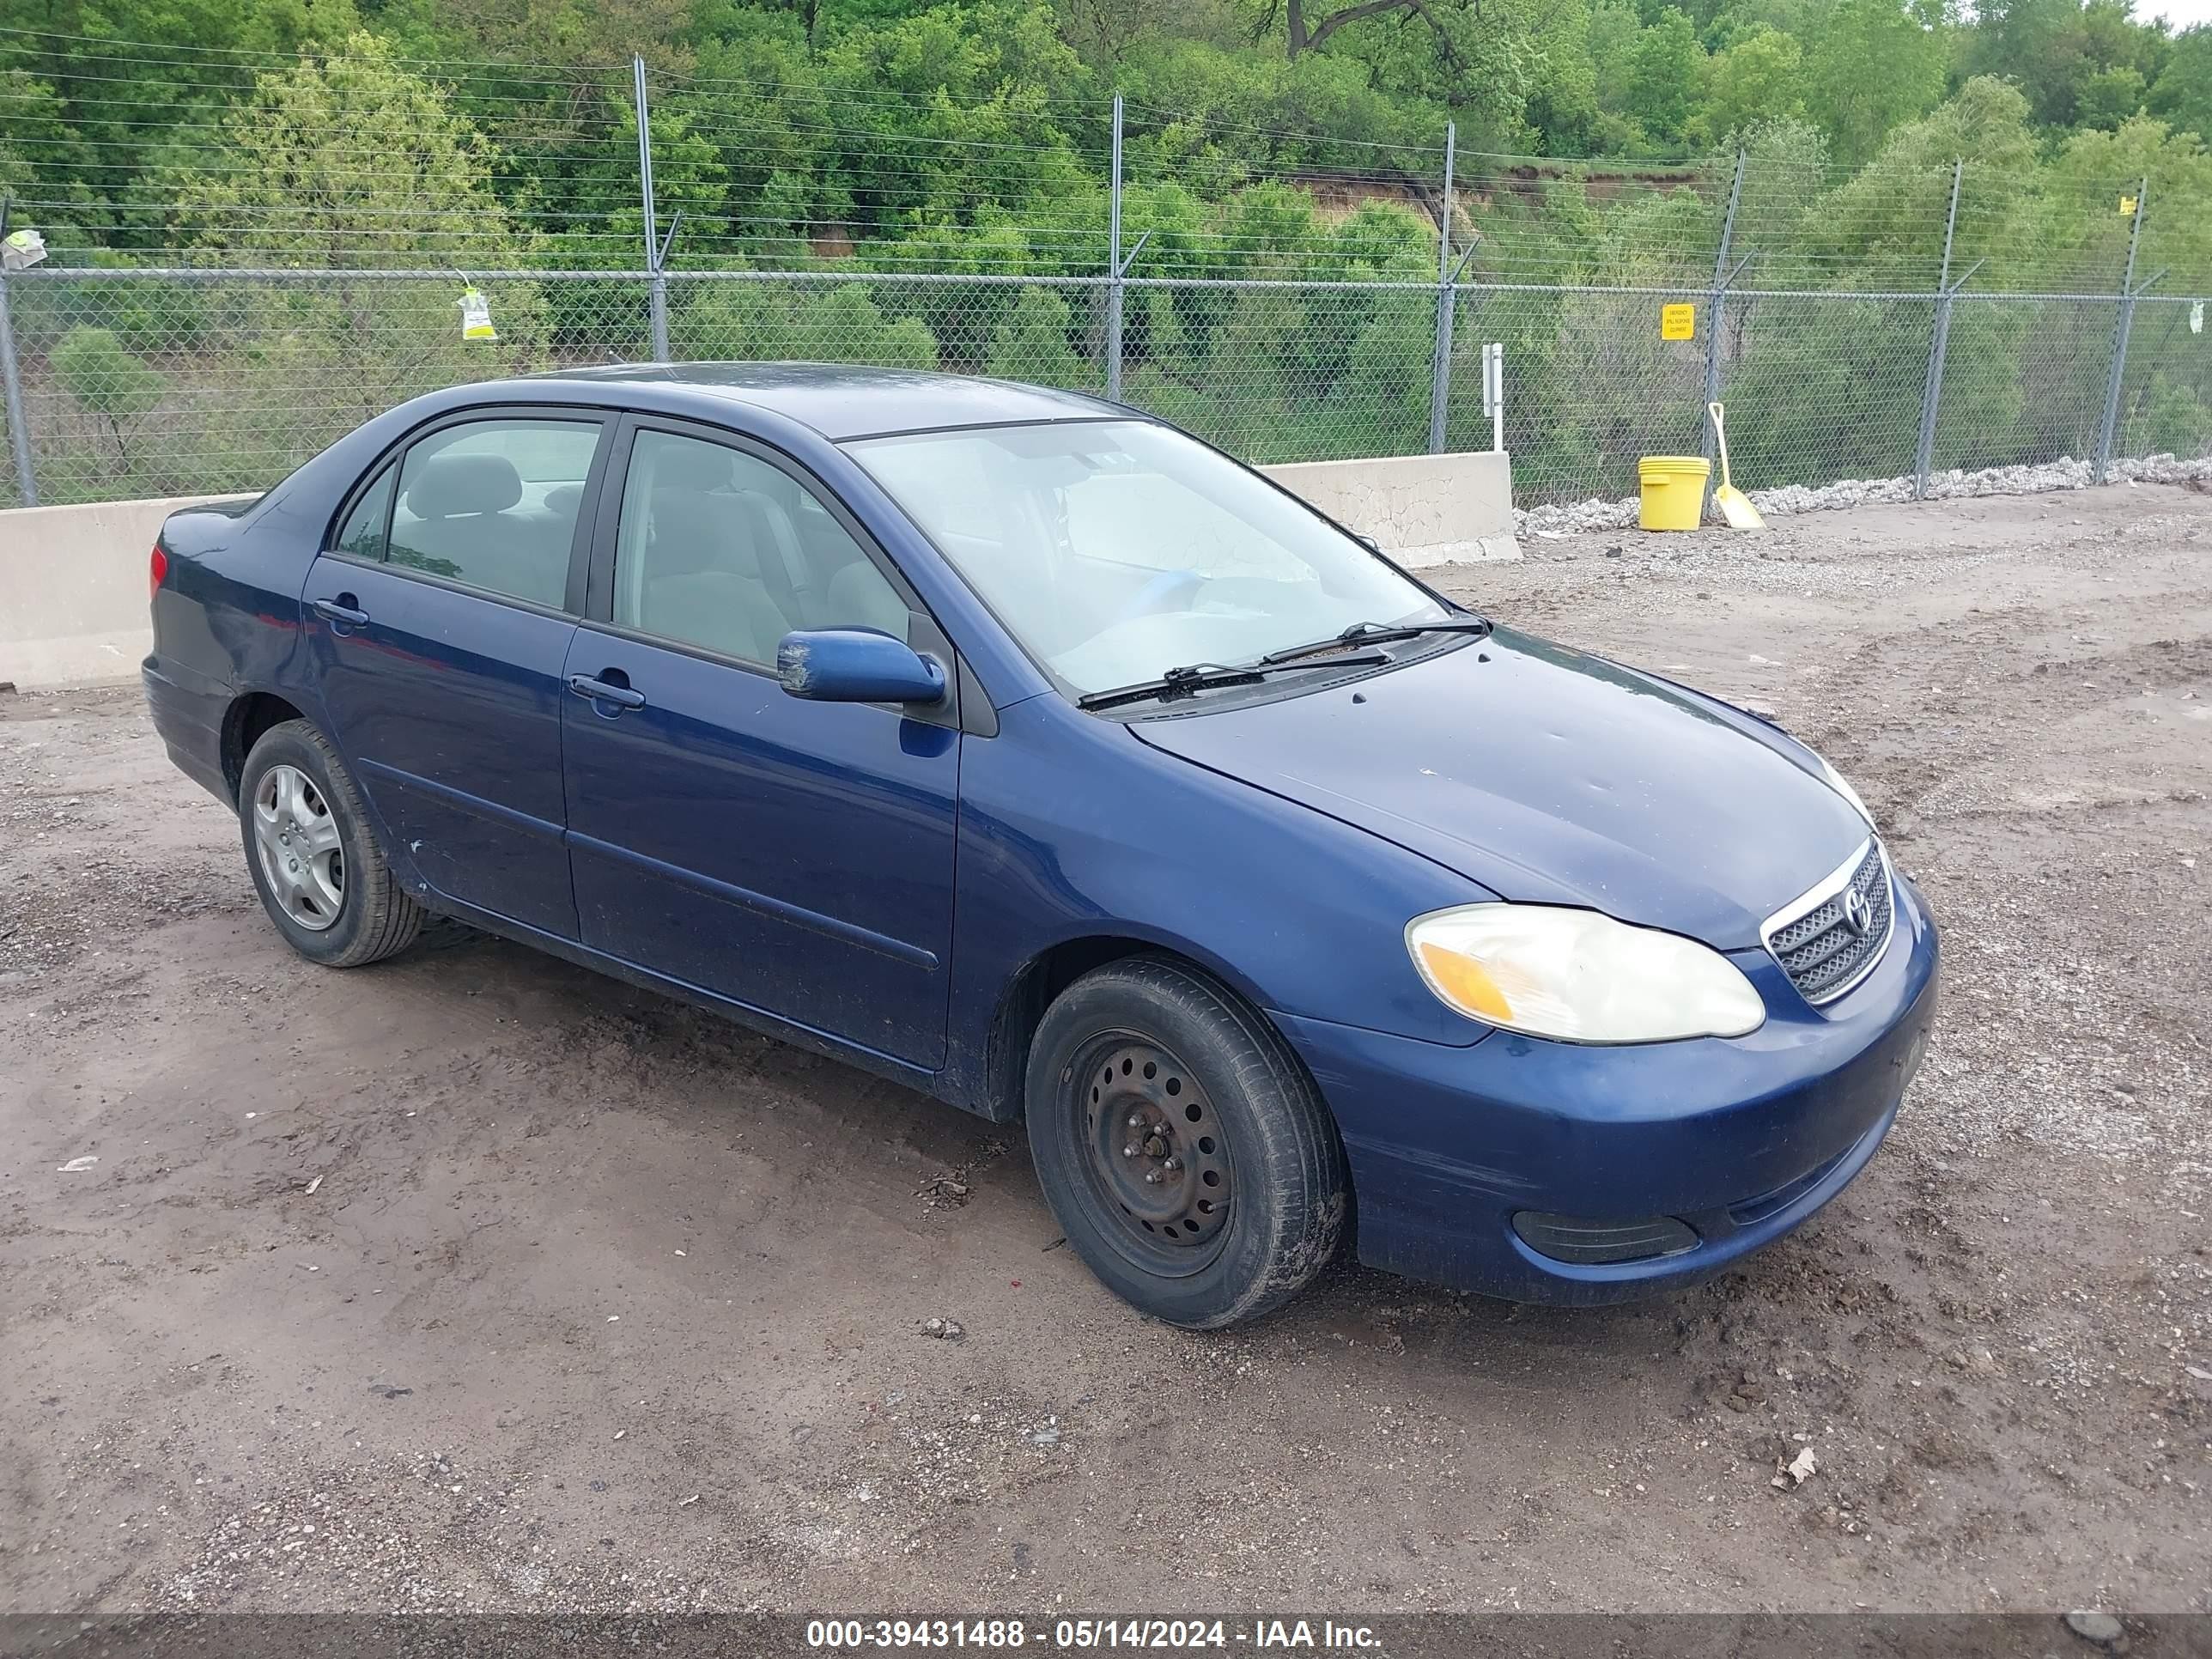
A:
x: 601, y: 691
x: 331, y: 611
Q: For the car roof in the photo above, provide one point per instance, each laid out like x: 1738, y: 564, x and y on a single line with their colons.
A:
x: 842, y: 401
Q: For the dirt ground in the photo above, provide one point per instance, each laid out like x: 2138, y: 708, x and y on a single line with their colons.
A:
x: 476, y: 1281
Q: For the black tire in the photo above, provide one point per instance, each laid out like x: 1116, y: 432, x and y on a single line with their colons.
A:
x: 1152, y: 1054
x: 374, y: 917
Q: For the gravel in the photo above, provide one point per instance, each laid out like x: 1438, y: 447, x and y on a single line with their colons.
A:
x: 2066, y: 473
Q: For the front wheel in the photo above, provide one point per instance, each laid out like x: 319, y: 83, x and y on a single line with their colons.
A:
x: 315, y: 860
x: 1181, y: 1146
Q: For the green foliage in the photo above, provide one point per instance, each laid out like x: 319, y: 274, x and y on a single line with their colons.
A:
x: 2177, y: 234
x: 289, y: 189
x: 2079, y: 64
x: 1874, y: 63
x: 771, y: 321
x: 2182, y: 94
x: 340, y: 155
x: 854, y: 142
x: 1032, y: 344
x: 1666, y: 71
x: 106, y: 380
x: 1759, y: 78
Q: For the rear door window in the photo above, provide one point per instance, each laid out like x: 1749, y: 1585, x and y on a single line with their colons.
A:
x: 494, y: 504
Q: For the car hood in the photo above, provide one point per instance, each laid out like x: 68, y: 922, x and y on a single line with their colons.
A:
x: 1549, y: 777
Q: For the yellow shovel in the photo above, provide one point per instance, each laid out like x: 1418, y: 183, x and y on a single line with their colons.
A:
x: 1735, y: 506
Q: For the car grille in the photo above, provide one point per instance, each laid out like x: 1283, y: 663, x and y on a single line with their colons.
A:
x: 1822, y: 951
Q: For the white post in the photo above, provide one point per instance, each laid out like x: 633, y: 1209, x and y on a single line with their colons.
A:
x: 1494, y: 393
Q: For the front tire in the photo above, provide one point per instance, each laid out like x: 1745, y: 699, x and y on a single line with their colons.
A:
x: 313, y: 859
x: 1182, y: 1148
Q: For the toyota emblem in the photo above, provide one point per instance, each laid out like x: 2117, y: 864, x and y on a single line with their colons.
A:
x: 1858, y: 915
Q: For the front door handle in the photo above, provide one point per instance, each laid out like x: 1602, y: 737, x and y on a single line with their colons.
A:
x: 332, y: 610
x: 602, y: 691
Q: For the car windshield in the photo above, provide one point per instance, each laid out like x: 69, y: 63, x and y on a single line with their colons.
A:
x: 1115, y: 550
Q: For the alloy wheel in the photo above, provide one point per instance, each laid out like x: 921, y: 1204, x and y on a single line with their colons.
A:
x: 303, y: 859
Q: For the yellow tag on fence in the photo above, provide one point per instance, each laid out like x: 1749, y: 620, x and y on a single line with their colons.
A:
x: 476, y: 316
x: 2127, y: 206
x: 1678, y: 322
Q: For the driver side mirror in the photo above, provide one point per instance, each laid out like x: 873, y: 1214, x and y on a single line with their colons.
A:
x: 855, y: 664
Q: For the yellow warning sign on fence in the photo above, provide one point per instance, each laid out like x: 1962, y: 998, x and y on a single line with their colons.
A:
x: 2127, y: 205
x: 1678, y: 322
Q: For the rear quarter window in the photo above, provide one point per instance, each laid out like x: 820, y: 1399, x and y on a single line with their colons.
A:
x: 364, y: 531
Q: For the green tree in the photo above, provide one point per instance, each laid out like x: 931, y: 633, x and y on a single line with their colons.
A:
x: 2076, y: 63
x: 2107, y: 97
x: 782, y: 321
x: 2183, y: 92
x: 2089, y: 238
x: 108, y: 381
x: 346, y: 159
x: 109, y: 108
x: 1883, y: 226
x: 1758, y: 78
x: 1876, y: 63
x: 1031, y: 344
x: 351, y: 162
x: 1666, y: 71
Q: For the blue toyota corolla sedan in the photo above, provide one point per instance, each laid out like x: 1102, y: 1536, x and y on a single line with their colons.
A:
x: 1017, y: 746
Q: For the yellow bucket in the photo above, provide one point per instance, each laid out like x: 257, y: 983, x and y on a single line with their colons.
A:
x: 1673, y: 490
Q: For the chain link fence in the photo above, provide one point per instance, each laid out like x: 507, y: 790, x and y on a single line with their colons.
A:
x: 166, y: 381
x: 1894, y: 322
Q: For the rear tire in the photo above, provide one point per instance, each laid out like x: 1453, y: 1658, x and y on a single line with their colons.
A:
x: 1181, y: 1146
x: 313, y: 859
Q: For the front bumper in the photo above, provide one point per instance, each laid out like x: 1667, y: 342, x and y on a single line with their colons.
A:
x: 1741, y: 1137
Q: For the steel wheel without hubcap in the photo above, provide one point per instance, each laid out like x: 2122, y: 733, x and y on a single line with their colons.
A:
x: 297, y: 839
x: 1156, y: 1154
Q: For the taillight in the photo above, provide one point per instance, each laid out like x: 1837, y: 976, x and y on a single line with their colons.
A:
x: 157, y: 572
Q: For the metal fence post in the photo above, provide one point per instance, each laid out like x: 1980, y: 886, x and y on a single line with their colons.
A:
x: 1939, y: 338
x: 659, y: 278
x: 1114, y: 265
x: 1717, y: 302
x: 1440, y: 363
x: 19, y: 435
x: 2120, y: 337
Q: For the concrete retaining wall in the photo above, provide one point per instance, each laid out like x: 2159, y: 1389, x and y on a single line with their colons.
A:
x: 73, y: 578
x: 73, y: 589
x: 1420, y: 509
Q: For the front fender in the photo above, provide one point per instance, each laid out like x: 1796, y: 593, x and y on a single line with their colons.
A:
x: 1072, y: 829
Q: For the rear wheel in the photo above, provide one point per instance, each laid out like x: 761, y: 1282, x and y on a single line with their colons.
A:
x: 1182, y: 1145
x: 315, y: 860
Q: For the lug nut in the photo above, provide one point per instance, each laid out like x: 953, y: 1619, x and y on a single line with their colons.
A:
x: 1153, y: 1177
x: 1136, y: 1121
x: 1128, y: 1151
x: 1173, y: 1162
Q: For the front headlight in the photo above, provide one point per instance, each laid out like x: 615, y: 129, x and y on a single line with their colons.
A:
x: 1579, y: 976
x: 1836, y: 781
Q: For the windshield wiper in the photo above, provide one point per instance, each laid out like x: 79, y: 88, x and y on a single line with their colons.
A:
x: 1205, y: 677
x: 1368, y: 633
